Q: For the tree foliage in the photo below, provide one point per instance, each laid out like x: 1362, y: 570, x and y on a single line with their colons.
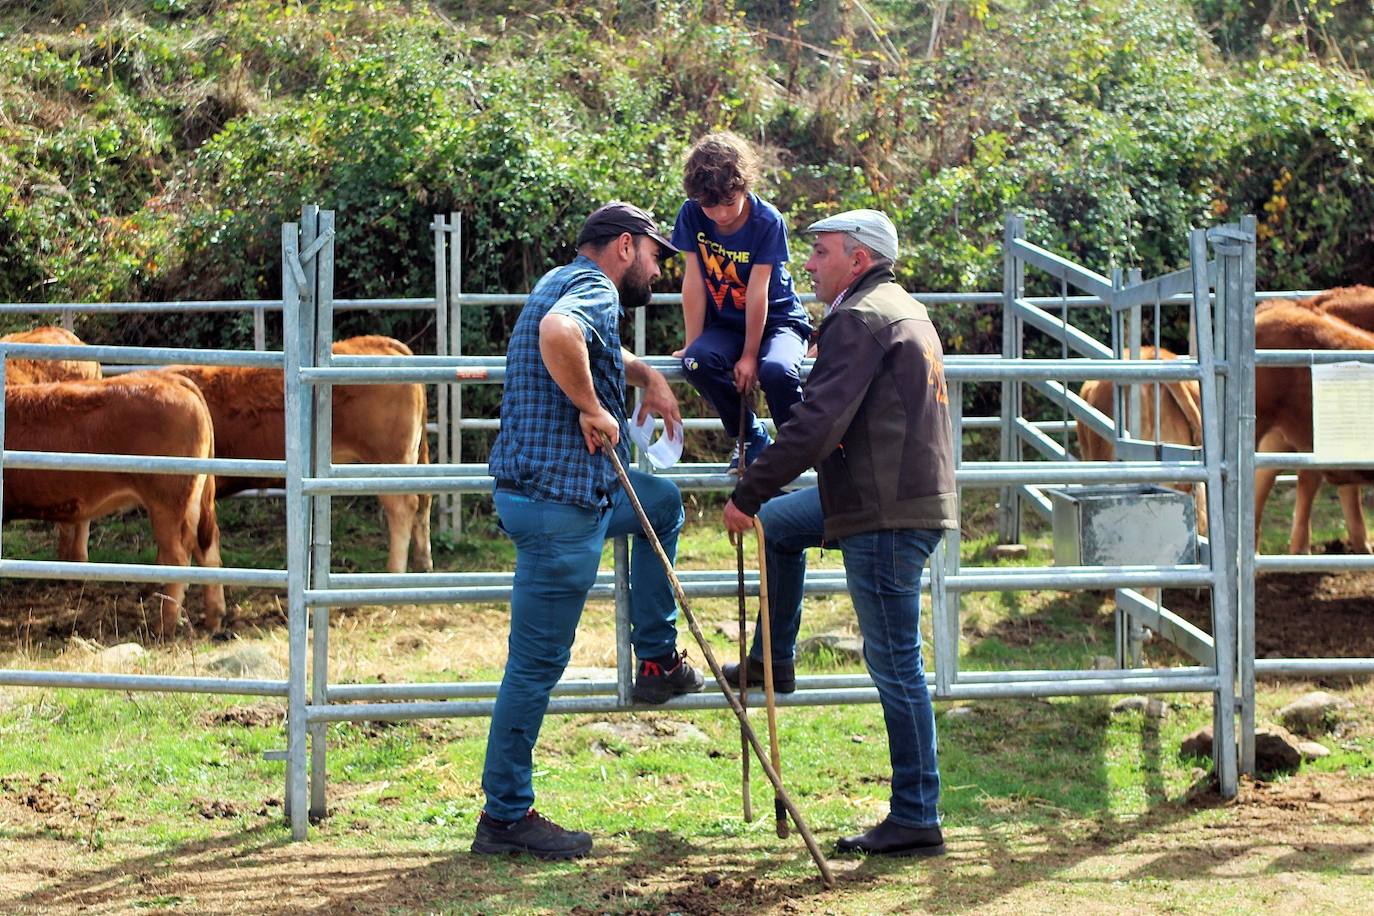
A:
x: 150, y: 150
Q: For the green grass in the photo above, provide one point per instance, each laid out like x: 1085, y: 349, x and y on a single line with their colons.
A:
x: 138, y: 783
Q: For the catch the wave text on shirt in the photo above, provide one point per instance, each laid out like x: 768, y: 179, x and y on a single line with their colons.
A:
x: 723, y: 283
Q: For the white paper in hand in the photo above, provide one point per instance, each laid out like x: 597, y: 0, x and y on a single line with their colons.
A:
x: 665, y: 452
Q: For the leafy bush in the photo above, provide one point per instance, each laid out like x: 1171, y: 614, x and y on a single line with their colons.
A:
x: 153, y: 153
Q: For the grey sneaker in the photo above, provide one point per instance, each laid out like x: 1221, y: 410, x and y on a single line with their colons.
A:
x: 533, y: 834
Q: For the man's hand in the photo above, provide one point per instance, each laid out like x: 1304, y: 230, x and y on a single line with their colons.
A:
x: 736, y: 522
x: 659, y: 398
x: 746, y: 374
x: 594, y: 424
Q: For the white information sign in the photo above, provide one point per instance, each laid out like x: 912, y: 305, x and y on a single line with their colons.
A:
x: 1342, y: 398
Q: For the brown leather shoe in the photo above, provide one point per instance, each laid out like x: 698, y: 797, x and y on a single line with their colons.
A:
x: 784, y: 675
x: 892, y: 839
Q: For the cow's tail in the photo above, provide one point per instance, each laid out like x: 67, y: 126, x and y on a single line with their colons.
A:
x: 426, y: 499
x: 207, y: 529
x: 1187, y: 398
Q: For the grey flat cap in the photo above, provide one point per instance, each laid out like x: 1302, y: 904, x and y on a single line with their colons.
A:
x: 867, y: 227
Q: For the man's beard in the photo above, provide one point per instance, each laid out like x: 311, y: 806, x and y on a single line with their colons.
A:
x: 634, y: 287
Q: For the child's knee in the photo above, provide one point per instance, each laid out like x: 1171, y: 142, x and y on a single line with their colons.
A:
x: 699, y: 359
x: 779, y: 374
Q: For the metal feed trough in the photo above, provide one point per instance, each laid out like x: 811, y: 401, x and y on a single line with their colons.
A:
x: 1142, y: 525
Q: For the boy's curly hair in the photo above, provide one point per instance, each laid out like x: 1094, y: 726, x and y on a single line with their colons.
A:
x: 719, y: 166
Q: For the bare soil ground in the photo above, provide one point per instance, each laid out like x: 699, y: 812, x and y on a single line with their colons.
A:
x: 1305, y: 842
x: 1300, y: 615
x: 1283, y: 841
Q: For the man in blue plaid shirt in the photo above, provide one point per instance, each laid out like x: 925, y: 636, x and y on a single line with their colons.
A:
x: 558, y: 499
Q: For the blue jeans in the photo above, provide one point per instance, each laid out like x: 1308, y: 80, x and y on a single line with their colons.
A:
x: 883, y: 569
x: 709, y: 364
x: 557, y: 552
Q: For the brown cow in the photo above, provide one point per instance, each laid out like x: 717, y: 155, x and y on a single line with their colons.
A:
x: 30, y: 371
x: 137, y: 414
x: 1354, y: 305
x: 372, y: 424
x: 1180, y: 421
x: 1283, y: 406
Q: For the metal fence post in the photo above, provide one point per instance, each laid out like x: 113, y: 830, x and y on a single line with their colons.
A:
x: 1013, y: 288
x: 297, y: 532
x: 944, y: 604
x: 1218, y: 447
x: 1240, y: 292
x: 455, y: 331
x: 624, y: 662
x: 321, y: 530
x: 442, y: 307
x: 3, y: 361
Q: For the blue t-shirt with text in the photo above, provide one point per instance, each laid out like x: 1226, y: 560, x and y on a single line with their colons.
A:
x: 726, y: 261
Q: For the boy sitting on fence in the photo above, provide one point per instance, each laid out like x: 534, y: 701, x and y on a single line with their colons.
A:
x: 745, y: 325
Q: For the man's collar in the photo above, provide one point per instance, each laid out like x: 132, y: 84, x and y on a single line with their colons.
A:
x: 880, y: 272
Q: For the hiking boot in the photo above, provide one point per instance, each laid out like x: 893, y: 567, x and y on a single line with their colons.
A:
x: 655, y: 683
x: 533, y: 834
x: 892, y: 839
x: 758, y: 441
x: 784, y: 675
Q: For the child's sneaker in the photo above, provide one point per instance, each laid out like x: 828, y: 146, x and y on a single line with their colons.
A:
x: 758, y: 441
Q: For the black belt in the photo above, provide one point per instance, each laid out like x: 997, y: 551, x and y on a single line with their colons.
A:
x: 503, y: 483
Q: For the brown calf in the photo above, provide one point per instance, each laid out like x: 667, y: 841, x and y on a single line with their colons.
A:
x: 138, y: 414
x: 372, y: 424
x: 1283, y: 403
x: 30, y: 371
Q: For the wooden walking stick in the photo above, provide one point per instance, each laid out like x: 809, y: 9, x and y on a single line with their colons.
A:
x: 769, y: 698
x: 743, y: 633
x: 710, y: 656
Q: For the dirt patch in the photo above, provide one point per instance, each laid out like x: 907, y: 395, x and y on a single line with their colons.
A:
x: 255, y: 715
x: 40, y: 795
x: 1301, y: 615
x: 1311, y: 834
x: 44, y: 613
x: 39, y: 801
x: 213, y: 809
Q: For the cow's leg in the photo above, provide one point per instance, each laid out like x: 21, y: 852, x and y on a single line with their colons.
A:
x: 172, y: 550
x: 400, y: 511
x: 72, y: 539
x: 1300, y: 537
x: 1264, y: 484
x: 420, y: 556
x: 1354, y: 518
x: 205, y: 548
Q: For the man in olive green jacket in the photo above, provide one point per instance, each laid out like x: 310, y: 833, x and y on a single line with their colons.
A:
x: 874, y: 421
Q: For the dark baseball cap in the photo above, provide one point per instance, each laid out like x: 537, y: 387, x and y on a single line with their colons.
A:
x: 616, y: 217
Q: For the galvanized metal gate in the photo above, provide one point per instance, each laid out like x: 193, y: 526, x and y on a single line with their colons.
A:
x: 309, y: 358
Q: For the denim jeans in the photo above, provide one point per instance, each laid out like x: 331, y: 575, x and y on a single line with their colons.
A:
x: 883, y: 569
x: 557, y: 552
x: 709, y: 364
